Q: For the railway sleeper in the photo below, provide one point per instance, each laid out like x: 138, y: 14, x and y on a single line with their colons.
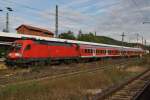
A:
x: 119, y: 98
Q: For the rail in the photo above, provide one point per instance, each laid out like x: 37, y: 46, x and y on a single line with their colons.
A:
x: 61, y: 74
x: 111, y: 90
x: 138, y: 94
x: 2, y: 59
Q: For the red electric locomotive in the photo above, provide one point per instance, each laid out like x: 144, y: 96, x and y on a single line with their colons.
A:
x: 32, y: 52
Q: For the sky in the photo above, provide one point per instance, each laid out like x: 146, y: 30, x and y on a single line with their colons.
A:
x: 105, y: 17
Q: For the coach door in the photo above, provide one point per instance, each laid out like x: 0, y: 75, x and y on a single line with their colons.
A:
x: 94, y: 52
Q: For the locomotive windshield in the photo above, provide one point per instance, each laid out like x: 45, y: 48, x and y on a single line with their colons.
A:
x: 16, y: 46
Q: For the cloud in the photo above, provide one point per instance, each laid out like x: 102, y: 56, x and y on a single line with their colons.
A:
x: 74, y: 3
x: 107, y: 17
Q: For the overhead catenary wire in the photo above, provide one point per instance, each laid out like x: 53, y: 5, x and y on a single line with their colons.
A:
x: 38, y: 12
x: 35, y: 10
x: 32, y: 8
x: 52, y: 14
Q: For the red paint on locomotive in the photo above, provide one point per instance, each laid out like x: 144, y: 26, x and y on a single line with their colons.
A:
x: 32, y: 49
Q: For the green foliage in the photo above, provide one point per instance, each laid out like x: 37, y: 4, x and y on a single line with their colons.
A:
x: 3, y: 50
x: 98, y: 39
x: 102, y: 39
x: 67, y: 35
x: 90, y: 37
x: 86, y: 37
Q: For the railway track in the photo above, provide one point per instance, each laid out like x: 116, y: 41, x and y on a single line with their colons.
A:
x: 2, y: 59
x: 5, y: 81
x: 129, y: 90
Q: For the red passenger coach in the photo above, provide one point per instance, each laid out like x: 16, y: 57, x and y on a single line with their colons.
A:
x: 101, y: 52
x: 87, y: 51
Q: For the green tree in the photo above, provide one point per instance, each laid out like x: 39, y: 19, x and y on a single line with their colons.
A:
x: 67, y: 35
x: 86, y: 37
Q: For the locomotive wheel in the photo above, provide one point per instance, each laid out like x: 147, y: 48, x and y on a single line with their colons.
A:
x: 42, y: 63
x: 9, y: 65
x: 67, y: 61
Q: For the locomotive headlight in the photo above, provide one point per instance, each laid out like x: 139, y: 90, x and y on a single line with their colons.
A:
x: 10, y: 54
x: 18, y: 54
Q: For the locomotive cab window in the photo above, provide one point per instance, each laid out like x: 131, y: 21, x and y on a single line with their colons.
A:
x: 16, y: 46
x: 28, y: 47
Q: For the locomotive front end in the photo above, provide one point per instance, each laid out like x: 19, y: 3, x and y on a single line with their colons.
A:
x: 15, y: 53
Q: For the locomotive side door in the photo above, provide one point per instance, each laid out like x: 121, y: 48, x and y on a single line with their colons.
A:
x: 27, y: 51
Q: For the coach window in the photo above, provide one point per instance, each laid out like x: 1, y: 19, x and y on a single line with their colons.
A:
x: 124, y: 52
x: 113, y: 51
x: 88, y: 50
x: 28, y: 47
x: 85, y: 50
x: 108, y: 51
x: 102, y: 51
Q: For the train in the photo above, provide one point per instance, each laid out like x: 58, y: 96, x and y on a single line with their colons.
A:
x: 35, y: 52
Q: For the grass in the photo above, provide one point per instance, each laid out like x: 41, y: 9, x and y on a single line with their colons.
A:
x: 68, y: 88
